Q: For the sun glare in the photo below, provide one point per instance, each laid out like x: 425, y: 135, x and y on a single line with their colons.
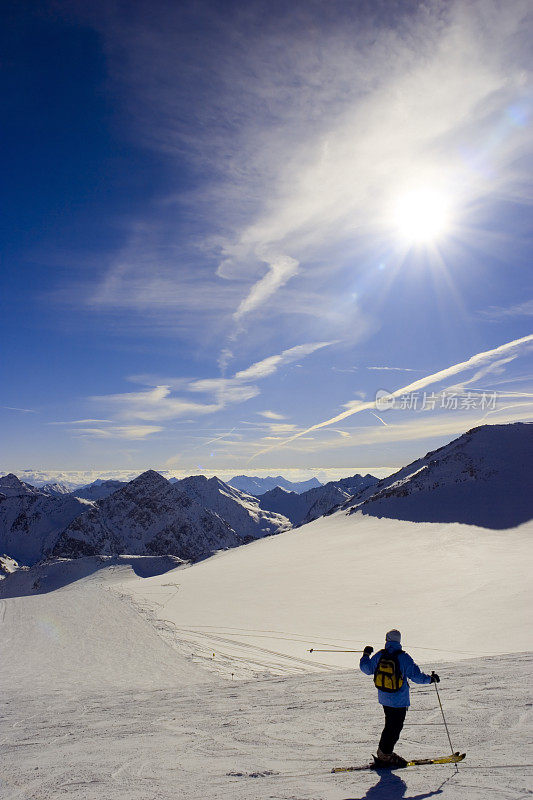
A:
x: 422, y: 216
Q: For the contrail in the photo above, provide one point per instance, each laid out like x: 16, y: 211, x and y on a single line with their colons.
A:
x: 216, y: 439
x: 473, y: 361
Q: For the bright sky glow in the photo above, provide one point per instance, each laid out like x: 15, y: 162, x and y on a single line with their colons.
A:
x: 422, y: 216
x: 223, y: 229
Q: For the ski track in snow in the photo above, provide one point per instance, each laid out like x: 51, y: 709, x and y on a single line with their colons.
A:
x: 275, y: 738
x: 111, y: 704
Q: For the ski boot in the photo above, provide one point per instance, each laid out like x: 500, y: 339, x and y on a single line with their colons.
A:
x: 389, y: 760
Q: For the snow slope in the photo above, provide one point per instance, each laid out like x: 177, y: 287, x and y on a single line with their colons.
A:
x: 98, y: 702
x: 456, y: 591
x: 68, y: 631
x: 132, y: 678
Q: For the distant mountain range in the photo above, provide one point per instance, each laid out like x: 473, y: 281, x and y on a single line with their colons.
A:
x: 309, y: 505
x: 258, y: 486
x: 189, y: 518
x: 483, y: 478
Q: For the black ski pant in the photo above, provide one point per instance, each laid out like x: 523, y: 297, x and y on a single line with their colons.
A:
x: 394, y: 719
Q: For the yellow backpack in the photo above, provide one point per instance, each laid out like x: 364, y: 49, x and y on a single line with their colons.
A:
x: 388, y: 676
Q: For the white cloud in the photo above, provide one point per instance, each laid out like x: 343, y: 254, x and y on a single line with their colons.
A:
x: 410, y: 129
x: 448, y: 424
x: 266, y: 367
x: 271, y: 415
x: 280, y: 269
x: 118, y: 432
x: 281, y: 427
x: 153, y: 404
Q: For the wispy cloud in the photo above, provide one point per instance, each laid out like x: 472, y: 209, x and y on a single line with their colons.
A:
x: 271, y: 415
x: 395, y: 369
x: 158, y: 403
x: 153, y: 404
x: 303, y: 128
x: 81, y: 422
x: 280, y: 269
x: 117, y: 432
x: 281, y: 427
x: 344, y: 434
x: 267, y: 366
x: 481, y: 362
x: 497, y: 313
x: 22, y: 410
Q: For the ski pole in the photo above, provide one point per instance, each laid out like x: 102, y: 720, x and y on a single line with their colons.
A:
x: 444, y: 718
x: 313, y: 650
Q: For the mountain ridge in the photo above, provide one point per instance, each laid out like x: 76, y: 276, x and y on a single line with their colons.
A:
x: 148, y: 516
x: 483, y: 478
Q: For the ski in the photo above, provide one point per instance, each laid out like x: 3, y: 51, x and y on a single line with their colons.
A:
x: 451, y: 759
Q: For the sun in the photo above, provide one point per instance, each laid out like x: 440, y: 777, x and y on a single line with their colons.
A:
x: 422, y: 216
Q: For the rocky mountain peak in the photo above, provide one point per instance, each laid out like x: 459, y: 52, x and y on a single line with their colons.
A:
x: 11, y: 485
x: 149, y: 480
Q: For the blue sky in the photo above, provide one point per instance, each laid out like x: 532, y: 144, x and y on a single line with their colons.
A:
x: 227, y: 225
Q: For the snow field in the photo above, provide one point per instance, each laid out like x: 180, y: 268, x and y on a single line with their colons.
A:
x: 455, y: 591
x: 109, y: 688
x: 275, y: 738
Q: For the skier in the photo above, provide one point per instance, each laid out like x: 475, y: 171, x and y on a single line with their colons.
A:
x: 391, y: 667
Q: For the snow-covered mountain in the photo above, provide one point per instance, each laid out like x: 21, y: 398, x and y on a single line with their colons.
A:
x: 99, y: 489
x: 55, y: 489
x: 307, y: 506
x: 241, y: 511
x: 323, y: 500
x: 291, y: 505
x: 148, y: 516
x: 11, y: 486
x: 484, y: 478
x: 258, y: 486
x: 30, y: 520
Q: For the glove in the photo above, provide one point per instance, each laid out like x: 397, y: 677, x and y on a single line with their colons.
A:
x: 368, y: 650
x: 435, y: 678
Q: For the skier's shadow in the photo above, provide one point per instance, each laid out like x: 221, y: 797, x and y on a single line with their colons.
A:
x: 391, y: 787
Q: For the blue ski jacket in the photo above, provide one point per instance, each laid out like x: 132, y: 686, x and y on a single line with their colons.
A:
x: 399, y: 699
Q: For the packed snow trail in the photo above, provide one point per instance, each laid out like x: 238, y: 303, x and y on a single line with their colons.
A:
x: 81, y: 636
